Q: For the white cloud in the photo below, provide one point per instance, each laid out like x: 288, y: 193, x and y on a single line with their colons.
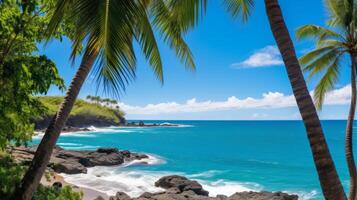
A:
x: 265, y: 57
x: 270, y: 100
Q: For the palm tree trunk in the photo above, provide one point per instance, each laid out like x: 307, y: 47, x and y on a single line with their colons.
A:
x: 43, y: 153
x: 349, y: 133
x: 329, y: 180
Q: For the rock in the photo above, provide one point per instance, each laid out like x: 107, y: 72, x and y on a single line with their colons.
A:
x: 57, y: 185
x: 181, y: 184
x: 262, y: 196
x: 120, y: 196
x: 69, y: 167
x: 107, y: 150
x: 181, y: 188
x: 99, y: 198
x: 74, y: 162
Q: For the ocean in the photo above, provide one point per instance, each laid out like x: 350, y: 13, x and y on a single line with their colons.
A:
x: 224, y: 156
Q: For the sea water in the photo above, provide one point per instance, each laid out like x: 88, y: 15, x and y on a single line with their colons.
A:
x: 224, y: 156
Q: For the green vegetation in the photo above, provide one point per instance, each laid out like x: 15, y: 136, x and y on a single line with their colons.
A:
x: 23, y: 73
x: 335, y: 43
x: 52, y: 193
x: 11, y: 174
x: 81, y: 107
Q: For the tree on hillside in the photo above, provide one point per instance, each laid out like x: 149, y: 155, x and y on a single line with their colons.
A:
x: 107, y: 31
x: 334, y: 44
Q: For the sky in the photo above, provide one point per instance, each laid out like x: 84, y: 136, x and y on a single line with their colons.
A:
x: 240, y: 74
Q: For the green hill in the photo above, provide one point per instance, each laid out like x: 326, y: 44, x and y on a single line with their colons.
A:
x: 83, y: 113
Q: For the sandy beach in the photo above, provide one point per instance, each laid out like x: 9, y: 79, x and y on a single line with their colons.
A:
x: 88, y: 194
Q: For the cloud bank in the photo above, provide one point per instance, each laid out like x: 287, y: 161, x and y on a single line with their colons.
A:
x: 269, y: 100
x: 265, y: 57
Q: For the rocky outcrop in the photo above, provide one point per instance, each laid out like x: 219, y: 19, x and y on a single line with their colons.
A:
x: 181, y: 188
x: 179, y: 184
x: 79, y: 121
x: 74, y: 162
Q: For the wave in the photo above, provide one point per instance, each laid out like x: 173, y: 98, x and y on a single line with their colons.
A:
x: 110, y: 180
x: 151, y: 160
x: 228, y: 187
x: 135, y: 182
x: 263, y: 162
x: 206, y: 174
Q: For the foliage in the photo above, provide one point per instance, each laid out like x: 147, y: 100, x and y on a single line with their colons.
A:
x: 52, y: 193
x: 109, y: 29
x: 22, y: 72
x: 11, y: 174
x: 334, y: 43
x: 81, y: 107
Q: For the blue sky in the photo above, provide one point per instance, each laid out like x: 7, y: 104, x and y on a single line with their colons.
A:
x: 239, y: 72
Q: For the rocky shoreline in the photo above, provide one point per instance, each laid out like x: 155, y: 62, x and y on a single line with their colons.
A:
x: 181, y: 188
x: 176, y: 187
x: 74, y: 162
x: 83, y: 128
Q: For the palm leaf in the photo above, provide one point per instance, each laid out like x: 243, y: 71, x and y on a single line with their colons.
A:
x: 239, y: 8
x: 169, y: 27
x: 326, y: 83
x: 317, y: 32
x: 314, y: 54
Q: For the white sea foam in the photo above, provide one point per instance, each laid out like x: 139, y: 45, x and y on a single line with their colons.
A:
x: 68, y: 144
x: 264, y: 162
x: 91, y: 133
x: 135, y: 182
x: 206, y: 174
x: 151, y: 160
x: 113, y: 179
x: 227, y: 187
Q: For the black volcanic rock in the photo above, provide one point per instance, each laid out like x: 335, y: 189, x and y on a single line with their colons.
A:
x: 74, y: 162
x: 180, y: 184
x: 181, y: 188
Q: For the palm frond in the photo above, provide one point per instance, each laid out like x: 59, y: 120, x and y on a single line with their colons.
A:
x: 61, y: 8
x: 317, y: 32
x: 169, y: 27
x: 337, y: 10
x: 326, y: 83
x: 187, y: 12
x: 110, y: 27
x: 314, y: 54
x: 330, y: 42
x: 144, y: 34
x: 239, y: 8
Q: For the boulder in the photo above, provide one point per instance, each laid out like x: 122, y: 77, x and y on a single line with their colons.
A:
x: 262, y: 196
x: 69, y: 167
x: 120, y: 196
x: 107, y: 150
x: 73, y: 162
x: 180, y: 184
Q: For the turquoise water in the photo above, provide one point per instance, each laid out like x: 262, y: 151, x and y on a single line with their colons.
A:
x: 225, y: 156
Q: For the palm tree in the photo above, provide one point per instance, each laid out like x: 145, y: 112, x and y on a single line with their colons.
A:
x: 107, y: 29
x: 329, y: 180
x: 334, y: 43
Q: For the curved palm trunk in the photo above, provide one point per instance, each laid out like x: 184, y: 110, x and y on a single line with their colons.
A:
x: 349, y: 133
x: 329, y: 180
x: 43, y: 153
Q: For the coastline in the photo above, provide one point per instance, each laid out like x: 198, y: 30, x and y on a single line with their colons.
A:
x: 216, y: 185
